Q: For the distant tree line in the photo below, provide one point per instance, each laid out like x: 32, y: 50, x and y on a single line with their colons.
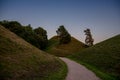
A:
x: 37, y: 36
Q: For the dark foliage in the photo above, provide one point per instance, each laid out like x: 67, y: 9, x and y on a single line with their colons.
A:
x: 37, y: 37
x: 42, y: 37
x: 63, y: 34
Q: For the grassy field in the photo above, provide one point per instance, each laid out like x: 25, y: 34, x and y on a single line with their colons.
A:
x: 64, y: 49
x: 103, y: 58
x: 20, y: 60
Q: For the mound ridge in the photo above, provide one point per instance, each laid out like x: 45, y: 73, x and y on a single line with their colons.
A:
x: 19, y: 60
x: 64, y: 49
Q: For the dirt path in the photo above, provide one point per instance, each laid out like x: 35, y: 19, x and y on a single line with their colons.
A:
x: 78, y: 72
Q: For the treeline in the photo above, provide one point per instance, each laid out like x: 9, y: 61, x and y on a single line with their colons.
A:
x: 37, y: 36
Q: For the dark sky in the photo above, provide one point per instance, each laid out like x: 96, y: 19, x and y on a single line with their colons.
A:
x: 101, y: 16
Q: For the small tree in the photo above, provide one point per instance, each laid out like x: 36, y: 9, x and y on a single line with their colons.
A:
x: 63, y: 34
x: 89, y: 40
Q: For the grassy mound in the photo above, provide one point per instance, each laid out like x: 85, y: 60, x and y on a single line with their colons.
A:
x: 64, y: 49
x: 21, y: 61
x: 103, y: 58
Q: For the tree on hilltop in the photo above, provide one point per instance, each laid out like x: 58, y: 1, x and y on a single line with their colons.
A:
x: 64, y: 36
x: 89, y: 40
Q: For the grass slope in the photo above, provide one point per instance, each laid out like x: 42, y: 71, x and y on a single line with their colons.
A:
x: 64, y: 49
x: 21, y: 61
x: 103, y: 58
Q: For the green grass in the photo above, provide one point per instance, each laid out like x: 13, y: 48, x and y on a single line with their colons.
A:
x: 103, y: 58
x: 57, y: 75
x: 63, y: 50
x: 52, y: 42
x: 20, y: 60
x: 96, y: 70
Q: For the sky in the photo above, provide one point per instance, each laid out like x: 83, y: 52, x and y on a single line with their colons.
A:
x: 102, y: 17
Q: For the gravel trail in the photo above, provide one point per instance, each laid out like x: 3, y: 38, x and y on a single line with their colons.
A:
x: 77, y: 71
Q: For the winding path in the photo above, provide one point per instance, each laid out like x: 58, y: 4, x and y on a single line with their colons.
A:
x: 78, y: 72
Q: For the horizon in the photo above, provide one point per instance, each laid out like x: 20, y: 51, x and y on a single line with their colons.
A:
x: 101, y: 17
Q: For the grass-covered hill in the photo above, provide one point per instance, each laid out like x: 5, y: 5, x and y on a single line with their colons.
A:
x: 64, y: 49
x: 20, y: 60
x: 103, y: 58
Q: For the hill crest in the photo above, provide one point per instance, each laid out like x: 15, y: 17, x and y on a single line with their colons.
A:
x: 64, y: 49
